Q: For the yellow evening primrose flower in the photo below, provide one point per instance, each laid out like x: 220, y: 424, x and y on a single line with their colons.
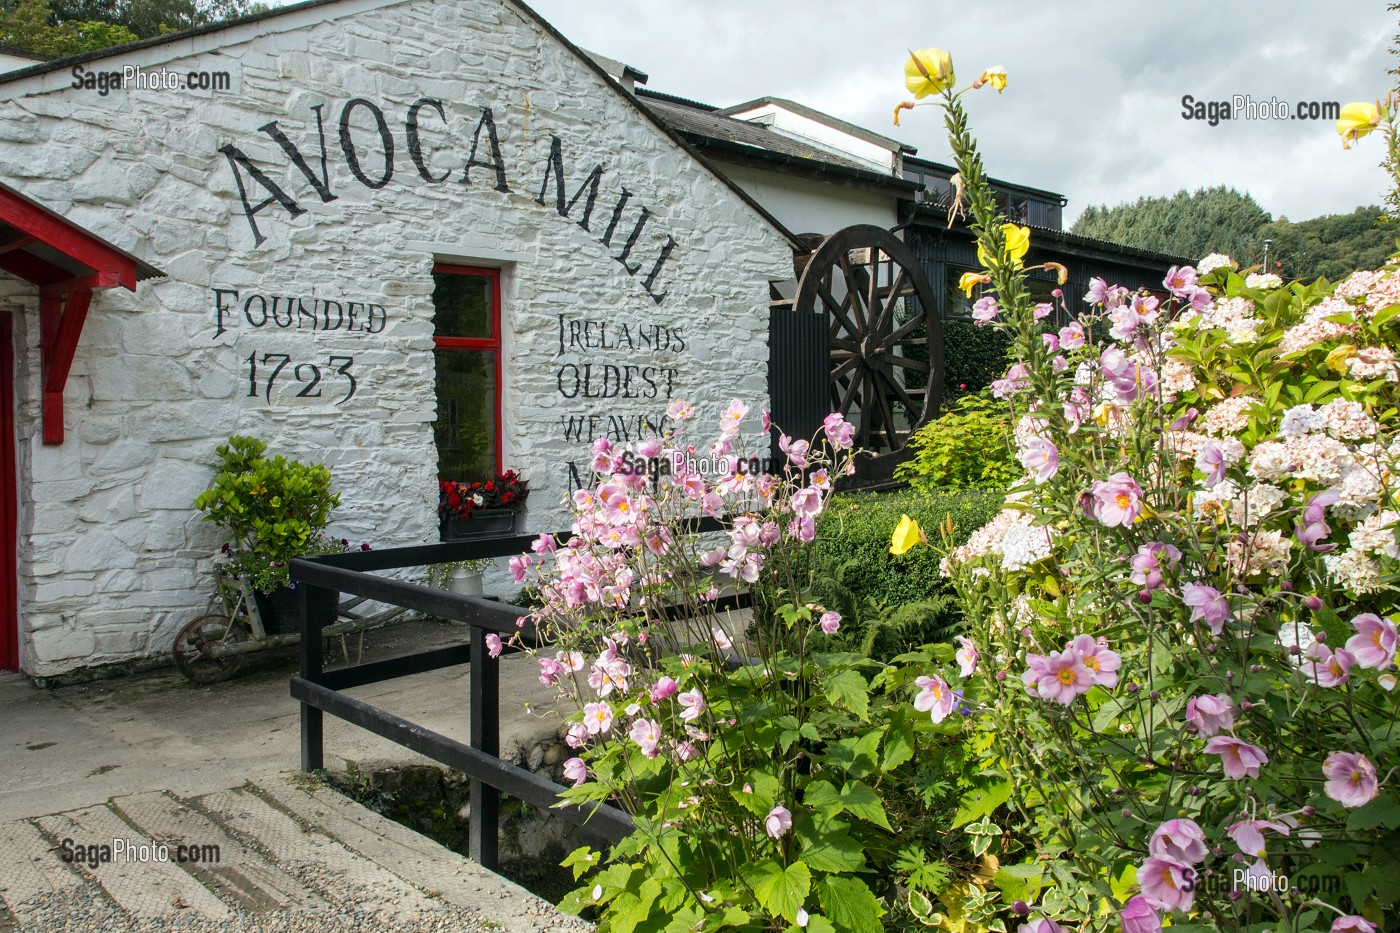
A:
x: 906, y: 535
x: 971, y: 280
x: 1061, y: 273
x: 995, y: 76
x: 1356, y: 121
x: 928, y: 72
x: 1018, y: 240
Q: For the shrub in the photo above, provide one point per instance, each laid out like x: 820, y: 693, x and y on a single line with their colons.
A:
x: 273, y: 509
x: 972, y: 357
x: 1183, y: 646
x: 964, y: 447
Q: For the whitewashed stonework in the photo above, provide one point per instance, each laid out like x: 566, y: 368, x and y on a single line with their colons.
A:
x: 113, y: 557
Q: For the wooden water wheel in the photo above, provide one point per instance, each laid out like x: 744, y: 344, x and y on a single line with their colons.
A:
x: 885, y: 341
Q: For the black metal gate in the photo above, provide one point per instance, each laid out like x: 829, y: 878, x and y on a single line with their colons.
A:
x: 799, y: 370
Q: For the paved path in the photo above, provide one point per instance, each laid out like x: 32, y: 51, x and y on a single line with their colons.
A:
x: 278, y: 854
x: 153, y: 756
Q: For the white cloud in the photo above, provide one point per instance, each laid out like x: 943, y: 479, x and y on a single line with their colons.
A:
x: 1093, y: 108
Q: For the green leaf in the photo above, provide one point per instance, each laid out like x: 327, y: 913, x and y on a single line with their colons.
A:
x: 861, y: 801
x: 850, y: 690
x: 822, y: 797
x: 899, y: 742
x: 850, y: 905
x: 835, y: 852
x: 818, y: 924
x: 1383, y: 811
x: 981, y: 801
x: 781, y: 891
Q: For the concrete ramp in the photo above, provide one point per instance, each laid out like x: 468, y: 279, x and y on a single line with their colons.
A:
x: 278, y: 854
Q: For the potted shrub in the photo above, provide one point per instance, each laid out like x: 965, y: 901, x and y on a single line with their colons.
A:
x: 273, y: 509
x: 480, y: 510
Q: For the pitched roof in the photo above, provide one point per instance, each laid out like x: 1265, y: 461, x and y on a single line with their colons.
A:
x: 520, y: 5
x: 859, y: 132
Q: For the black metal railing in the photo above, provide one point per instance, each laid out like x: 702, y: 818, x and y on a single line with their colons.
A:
x: 321, y: 580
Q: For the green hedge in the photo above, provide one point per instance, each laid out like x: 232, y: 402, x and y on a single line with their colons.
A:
x: 972, y: 358
x: 889, y: 604
x: 855, y: 532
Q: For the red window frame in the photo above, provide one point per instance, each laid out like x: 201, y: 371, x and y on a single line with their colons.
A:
x: 492, y: 343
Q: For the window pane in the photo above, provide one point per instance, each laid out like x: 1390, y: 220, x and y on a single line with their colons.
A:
x: 461, y: 305
x: 465, y: 429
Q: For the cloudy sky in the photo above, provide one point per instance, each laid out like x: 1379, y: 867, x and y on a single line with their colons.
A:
x: 1093, y: 107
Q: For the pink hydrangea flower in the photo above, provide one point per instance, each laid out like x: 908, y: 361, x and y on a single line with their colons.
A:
x: 1239, y: 759
x: 692, y: 704
x: 1351, y: 779
x: 575, y: 770
x: 1374, y: 643
x: 1207, y: 604
x: 1165, y: 883
x: 1138, y: 916
x: 935, y: 698
x: 830, y: 622
x: 966, y: 656
x: 1178, y: 841
x: 778, y: 822
x: 1102, y: 663
x: 1211, y: 713
x: 1117, y: 500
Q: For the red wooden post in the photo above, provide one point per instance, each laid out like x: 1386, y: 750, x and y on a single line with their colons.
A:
x: 9, y: 504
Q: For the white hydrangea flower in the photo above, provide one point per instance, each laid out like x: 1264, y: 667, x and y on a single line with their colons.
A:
x: 1265, y: 552
x: 1354, y: 571
x: 1215, y: 261
x: 1262, y: 280
x: 1295, y: 634
x: 1376, y: 535
x: 1348, y: 420
x: 1023, y: 546
x: 1269, y: 461
x: 1300, y: 420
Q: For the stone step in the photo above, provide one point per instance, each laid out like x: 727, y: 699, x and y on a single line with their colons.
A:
x: 314, y: 858
x: 243, y: 877
x: 143, y: 889
x: 410, y: 855
x: 33, y: 872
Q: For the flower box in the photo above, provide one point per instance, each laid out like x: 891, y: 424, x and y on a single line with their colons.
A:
x: 481, y: 523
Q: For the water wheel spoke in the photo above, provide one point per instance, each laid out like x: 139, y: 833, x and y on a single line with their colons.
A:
x: 903, y: 362
x: 838, y: 311
x: 904, y: 331
x: 843, y: 405
x: 841, y: 343
x: 854, y: 291
x: 886, y: 411
x: 890, y: 300
x: 915, y: 409
x: 845, y: 366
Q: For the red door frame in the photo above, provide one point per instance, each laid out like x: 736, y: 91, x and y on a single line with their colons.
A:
x: 9, y: 503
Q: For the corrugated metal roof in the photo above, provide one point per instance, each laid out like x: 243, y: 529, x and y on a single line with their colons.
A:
x: 859, y: 132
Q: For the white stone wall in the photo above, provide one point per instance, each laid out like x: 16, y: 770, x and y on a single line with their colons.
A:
x: 113, y: 555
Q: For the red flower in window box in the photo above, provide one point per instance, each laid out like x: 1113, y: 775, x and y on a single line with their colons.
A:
x: 459, y: 500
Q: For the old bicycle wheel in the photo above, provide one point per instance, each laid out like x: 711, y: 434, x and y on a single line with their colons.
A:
x: 194, y: 641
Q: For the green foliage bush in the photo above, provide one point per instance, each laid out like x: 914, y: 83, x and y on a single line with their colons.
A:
x: 891, y: 603
x: 965, y: 447
x: 273, y: 509
x: 972, y: 357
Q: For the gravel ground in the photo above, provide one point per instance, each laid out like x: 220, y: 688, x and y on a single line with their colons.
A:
x: 352, y: 909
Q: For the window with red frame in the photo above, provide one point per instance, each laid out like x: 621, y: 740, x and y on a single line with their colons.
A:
x: 467, y: 349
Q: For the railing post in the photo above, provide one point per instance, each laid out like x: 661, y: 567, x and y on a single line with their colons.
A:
x: 313, y: 603
x: 485, y: 718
